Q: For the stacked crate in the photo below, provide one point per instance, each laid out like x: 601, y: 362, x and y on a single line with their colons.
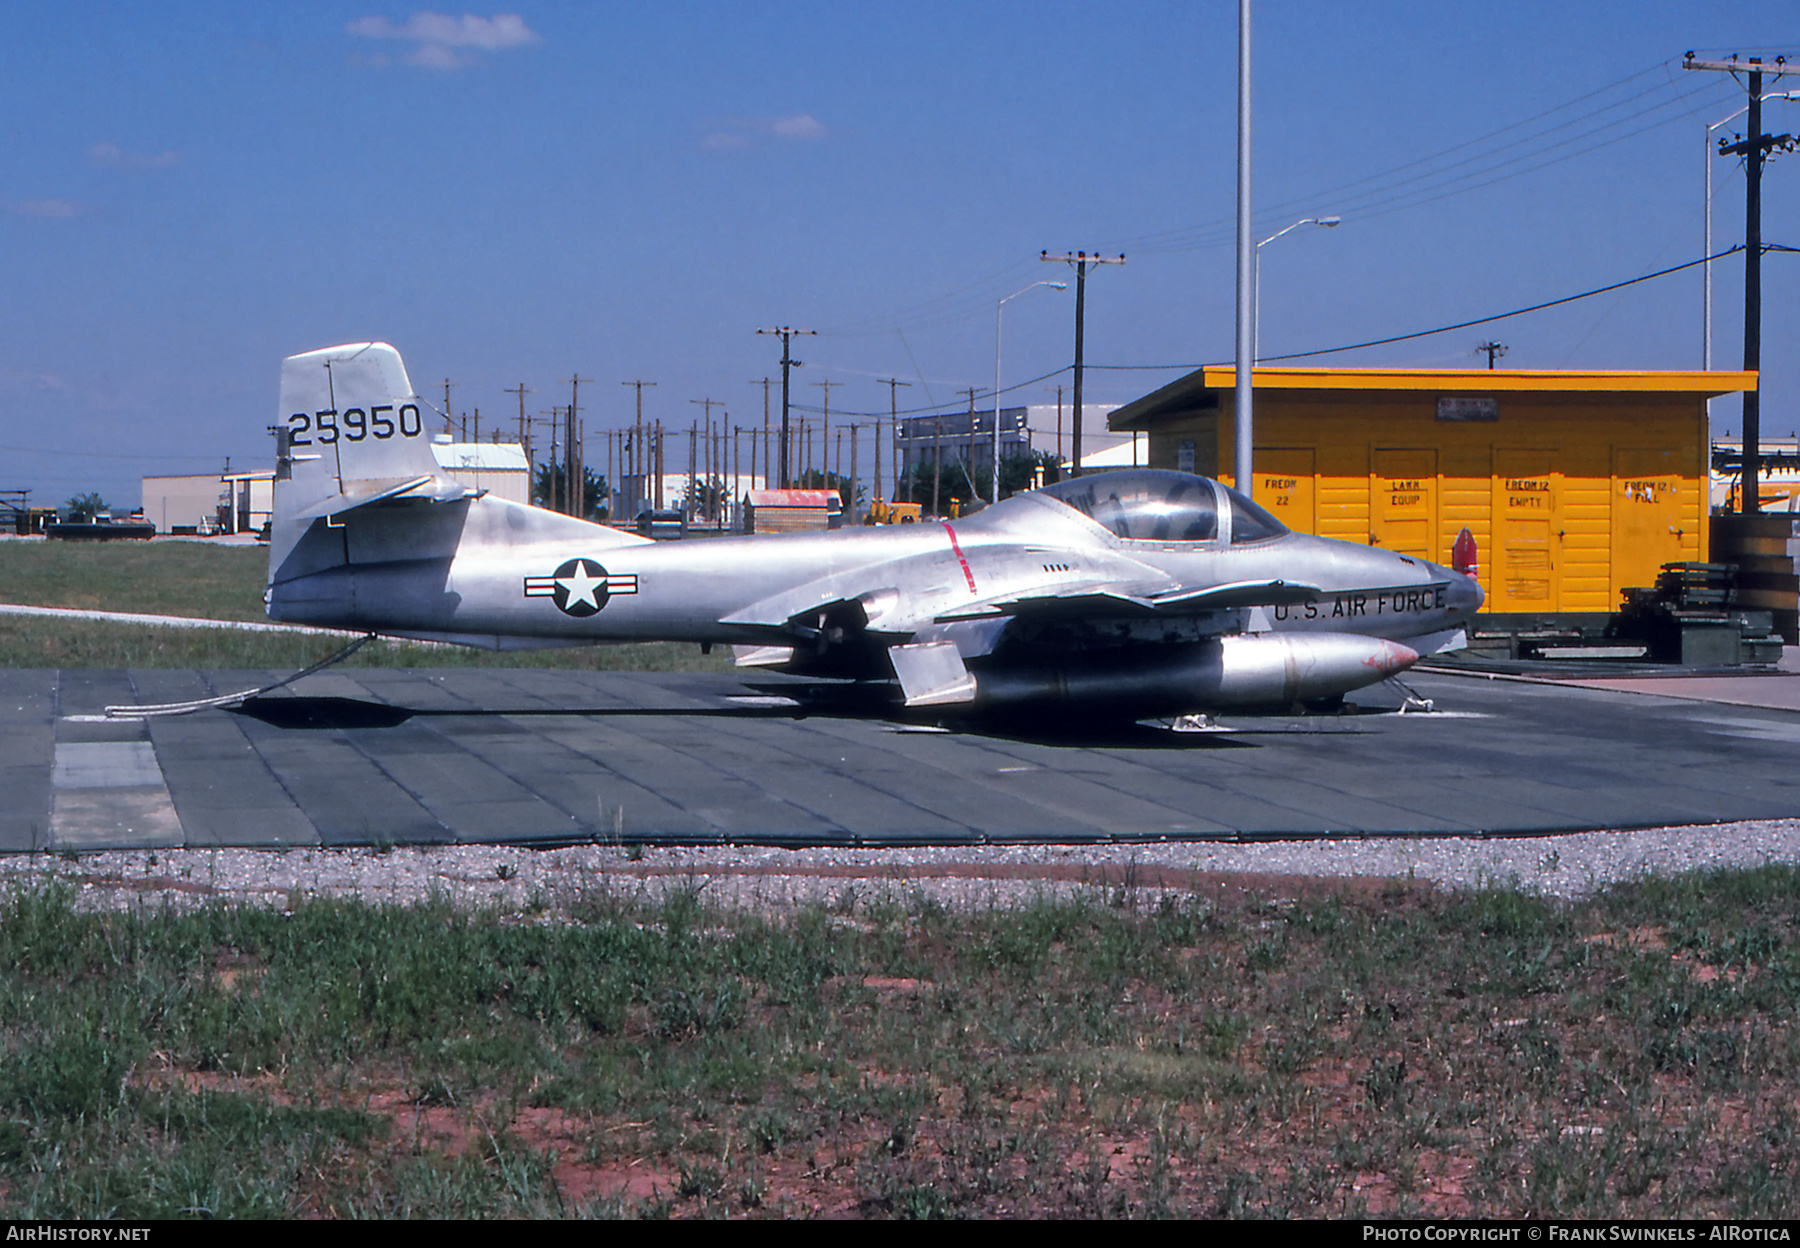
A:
x: 1693, y: 616
x: 1763, y: 549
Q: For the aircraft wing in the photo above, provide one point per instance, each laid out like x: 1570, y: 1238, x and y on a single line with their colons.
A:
x: 1110, y: 601
x: 897, y: 597
x: 906, y: 595
x: 1238, y: 594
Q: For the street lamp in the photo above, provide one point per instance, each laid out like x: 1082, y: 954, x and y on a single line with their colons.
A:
x: 997, y: 310
x: 1256, y: 279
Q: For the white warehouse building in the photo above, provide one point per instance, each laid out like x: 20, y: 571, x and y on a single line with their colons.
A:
x: 242, y: 502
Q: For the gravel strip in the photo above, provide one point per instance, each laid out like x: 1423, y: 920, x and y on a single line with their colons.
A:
x: 544, y: 881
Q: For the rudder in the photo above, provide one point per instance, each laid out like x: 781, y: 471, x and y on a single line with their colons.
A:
x: 351, y: 432
x: 351, y: 426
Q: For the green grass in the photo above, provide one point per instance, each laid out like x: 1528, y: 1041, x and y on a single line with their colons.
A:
x: 157, y: 578
x: 224, y: 583
x: 1410, y: 1053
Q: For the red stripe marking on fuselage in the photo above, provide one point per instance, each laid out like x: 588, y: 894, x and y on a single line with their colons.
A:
x: 957, y: 547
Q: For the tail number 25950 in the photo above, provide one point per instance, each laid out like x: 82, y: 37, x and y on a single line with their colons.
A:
x: 353, y: 424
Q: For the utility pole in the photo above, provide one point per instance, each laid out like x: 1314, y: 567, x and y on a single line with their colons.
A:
x: 967, y: 453
x: 657, y: 469
x: 693, y: 468
x: 524, y: 434
x: 825, y: 429
x: 447, y: 384
x: 1082, y: 262
x: 553, y: 490
x: 577, y: 491
x: 637, y: 440
x: 1494, y: 351
x: 764, y: 382
x: 937, y: 459
x: 1754, y: 148
x: 786, y: 333
x: 894, y: 426
x: 703, y: 465
x: 853, y: 431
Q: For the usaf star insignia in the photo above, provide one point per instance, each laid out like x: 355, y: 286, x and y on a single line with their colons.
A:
x: 580, y: 587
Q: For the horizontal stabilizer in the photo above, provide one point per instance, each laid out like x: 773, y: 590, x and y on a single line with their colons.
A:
x: 433, y: 489
x: 932, y: 674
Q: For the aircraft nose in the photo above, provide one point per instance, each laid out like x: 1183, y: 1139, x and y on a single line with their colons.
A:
x: 1465, y: 596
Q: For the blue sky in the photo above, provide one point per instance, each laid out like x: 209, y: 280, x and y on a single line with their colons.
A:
x: 192, y: 191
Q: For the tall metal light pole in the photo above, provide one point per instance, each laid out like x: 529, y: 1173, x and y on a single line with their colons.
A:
x: 1246, y: 260
x: 998, y: 307
x: 1256, y: 280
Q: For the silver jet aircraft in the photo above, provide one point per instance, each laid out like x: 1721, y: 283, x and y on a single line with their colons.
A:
x: 1140, y: 594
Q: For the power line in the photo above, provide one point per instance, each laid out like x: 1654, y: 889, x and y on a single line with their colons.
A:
x: 1385, y: 200
x: 973, y: 294
x: 39, y: 450
x: 1150, y: 241
x: 1755, y: 149
x: 1412, y: 184
x: 939, y: 409
x: 1441, y: 329
x: 788, y: 363
x: 1081, y: 260
x: 1484, y: 320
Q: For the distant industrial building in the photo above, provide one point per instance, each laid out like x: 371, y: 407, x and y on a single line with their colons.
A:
x: 959, y: 438
x: 1575, y: 485
x: 500, y: 468
x: 242, y: 502
x: 968, y: 437
x: 209, y: 503
x: 1779, y: 478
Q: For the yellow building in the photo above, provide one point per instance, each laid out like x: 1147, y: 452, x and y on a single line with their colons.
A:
x: 1574, y: 484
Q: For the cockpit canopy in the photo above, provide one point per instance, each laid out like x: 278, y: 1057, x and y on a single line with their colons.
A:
x: 1148, y: 505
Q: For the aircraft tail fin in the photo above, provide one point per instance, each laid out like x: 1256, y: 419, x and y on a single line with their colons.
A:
x: 351, y: 427
x: 351, y: 432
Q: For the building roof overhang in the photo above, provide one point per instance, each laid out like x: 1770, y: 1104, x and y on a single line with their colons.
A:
x: 1204, y: 387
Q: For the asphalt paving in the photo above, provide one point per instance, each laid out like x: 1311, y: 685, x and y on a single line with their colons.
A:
x: 546, y: 758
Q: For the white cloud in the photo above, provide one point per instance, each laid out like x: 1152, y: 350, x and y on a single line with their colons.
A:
x: 744, y: 133
x: 52, y: 209
x: 439, y: 56
x: 113, y: 155
x: 800, y: 126
x: 26, y: 379
x: 446, y: 42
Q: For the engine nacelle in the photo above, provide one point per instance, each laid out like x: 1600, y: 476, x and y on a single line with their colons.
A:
x: 1262, y: 669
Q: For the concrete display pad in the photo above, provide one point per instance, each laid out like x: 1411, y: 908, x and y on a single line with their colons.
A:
x: 389, y: 757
